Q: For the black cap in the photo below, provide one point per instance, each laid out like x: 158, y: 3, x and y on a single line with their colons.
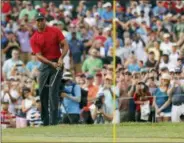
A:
x: 39, y: 16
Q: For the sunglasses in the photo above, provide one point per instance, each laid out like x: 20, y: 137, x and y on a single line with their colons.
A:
x: 40, y: 20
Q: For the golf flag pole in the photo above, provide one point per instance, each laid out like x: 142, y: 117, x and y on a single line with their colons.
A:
x: 114, y: 65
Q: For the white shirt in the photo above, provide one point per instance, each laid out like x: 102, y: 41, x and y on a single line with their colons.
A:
x: 9, y: 64
x: 173, y: 59
x: 138, y: 48
x: 90, y: 21
x: 166, y: 47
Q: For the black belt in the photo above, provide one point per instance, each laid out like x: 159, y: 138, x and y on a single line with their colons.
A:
x: 178, y: 104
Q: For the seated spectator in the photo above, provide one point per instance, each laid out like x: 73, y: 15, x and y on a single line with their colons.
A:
x: 166, y: 45
x: 132, y: 64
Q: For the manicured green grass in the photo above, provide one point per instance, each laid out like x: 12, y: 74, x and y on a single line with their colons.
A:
x: 126, y: 132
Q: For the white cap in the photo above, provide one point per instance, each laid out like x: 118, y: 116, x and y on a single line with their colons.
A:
x: 61, y: 7
x: 37, y: 7
x: 96, y: 14
x: 166, y: 35
x: 67, y: 76
x: 174, y: 44
x: 67, y: 13
x: 107, y: 4
x: 172, y: 70
x: 166, y: 76
x: 107, y: 29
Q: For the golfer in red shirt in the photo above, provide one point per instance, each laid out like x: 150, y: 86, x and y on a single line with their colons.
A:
x: 46, y: 43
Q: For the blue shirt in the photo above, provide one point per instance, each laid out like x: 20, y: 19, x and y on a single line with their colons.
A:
x: 71, y: 106
x: 133, y: 68
x: 76, y: 49
x: 109, y: 43
x: 31, y: 65
x: 107, y: 15
x: 161, y: 98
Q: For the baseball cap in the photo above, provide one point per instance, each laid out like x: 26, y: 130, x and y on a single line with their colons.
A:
x: 107, y: 4
x: 166, y: 76
x: 89, y: 76
x: 67, y: 76
x: 99, y: 74
x: 39, y: 16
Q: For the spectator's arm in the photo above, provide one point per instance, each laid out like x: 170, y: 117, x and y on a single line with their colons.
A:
x: 84, y: 66
x: 77, y: 97
x: 131, y: 91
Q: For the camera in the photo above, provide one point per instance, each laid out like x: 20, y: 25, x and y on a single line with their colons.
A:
x: 182, y: 117
x: 99, y: 102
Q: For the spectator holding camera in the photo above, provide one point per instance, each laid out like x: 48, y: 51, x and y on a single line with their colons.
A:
x: 101, y: 113
x: 71, y: 95
x: 176, y: 93
x: 162, y: 101
x: 14, y: 62
x: 141, y: 96
x: 109, y: 91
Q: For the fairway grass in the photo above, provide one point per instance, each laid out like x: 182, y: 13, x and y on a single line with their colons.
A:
x: 126, y: 132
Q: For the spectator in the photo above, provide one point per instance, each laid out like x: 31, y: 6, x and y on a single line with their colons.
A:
x: 162, y: 102
x: 71, y: 98
x: 141, y: 97
x: 24, y: 34
x: 92, y: 92
x: 107, y: 14
x: 13, y: 64
x: 151, y: 62
x: 77, y: 53
x: 97, y: 63
x: 34, y: 63
x: 176, y: 92
x: 10, y: 44
x: 166, y: 45
x: 101, y: 113
x: 7, y: 119
x: 28, y: 10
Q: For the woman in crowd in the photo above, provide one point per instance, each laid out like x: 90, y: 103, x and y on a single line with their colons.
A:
x: 162, y: 101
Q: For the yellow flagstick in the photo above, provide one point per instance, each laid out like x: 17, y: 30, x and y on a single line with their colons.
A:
x: 114, y: 65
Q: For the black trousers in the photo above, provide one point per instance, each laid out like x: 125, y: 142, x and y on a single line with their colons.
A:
x: 74, y: 119
x: 49, y: 96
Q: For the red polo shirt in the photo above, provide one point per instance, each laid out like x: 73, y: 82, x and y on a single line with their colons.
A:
x: 47, y: 42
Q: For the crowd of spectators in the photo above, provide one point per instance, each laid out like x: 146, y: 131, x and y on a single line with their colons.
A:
x: 149, y: 60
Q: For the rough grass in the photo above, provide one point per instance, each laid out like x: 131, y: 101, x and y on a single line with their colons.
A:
x: 126, y: 132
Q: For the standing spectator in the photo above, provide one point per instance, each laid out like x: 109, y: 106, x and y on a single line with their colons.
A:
x: 24, y: 34
x: 71, y: 95
x: 77, y: 53
x: 97, y: 63
x: 162, y: 101
x: 176, y: 92
x: 7, y: 118
x: 141, y: 96
x: 173, y: 56
x: 92, y: 92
